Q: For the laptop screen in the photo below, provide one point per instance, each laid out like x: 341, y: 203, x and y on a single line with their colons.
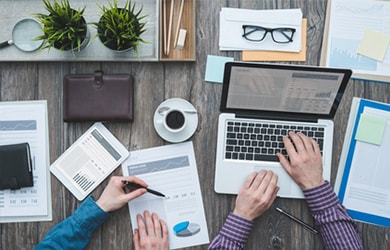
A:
x: 290, y: 89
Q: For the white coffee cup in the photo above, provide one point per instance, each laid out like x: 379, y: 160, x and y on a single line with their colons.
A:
x: 174, y: 120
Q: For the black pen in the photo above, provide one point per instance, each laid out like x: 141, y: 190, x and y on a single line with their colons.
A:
x: 136, y: 186
x: 306, y: 226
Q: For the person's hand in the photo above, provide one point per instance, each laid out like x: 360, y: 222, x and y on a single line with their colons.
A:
x: 256, y: 195
x: 114, y: 197
x: 305, y: 165
x: 151, y: 234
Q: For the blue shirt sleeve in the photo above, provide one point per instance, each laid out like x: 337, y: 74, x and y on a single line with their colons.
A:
x: 75, y: 232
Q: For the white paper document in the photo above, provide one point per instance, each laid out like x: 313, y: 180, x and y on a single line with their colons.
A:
x: 26, y: 121
x: 231, y: 31
x: 349, y: 21
x: 172, y: 171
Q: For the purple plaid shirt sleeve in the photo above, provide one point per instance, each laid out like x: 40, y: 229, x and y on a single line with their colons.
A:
x: 234, y: 233
x: 337, y: 228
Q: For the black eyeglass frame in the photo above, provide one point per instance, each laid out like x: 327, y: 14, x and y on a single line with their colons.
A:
x: 268, y: 30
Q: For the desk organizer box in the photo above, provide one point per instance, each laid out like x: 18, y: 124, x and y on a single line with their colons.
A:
x: 13, y: 11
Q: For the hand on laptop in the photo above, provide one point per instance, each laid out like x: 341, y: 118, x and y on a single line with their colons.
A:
x: 305, y: 165
x: 256, y: 195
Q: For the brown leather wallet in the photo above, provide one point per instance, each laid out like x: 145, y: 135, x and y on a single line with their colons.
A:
x: 98, y: 97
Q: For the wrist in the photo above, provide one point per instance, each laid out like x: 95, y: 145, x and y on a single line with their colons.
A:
x: 102, y: 205
x: 312, y: 184
x: 242, y: 214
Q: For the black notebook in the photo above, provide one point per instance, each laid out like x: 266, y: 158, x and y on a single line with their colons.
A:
x: 15, y: 166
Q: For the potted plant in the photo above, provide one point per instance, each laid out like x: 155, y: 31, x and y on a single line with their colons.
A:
x: 63, y: 27
x: 120, y: 28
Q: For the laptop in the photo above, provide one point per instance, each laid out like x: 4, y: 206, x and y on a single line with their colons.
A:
x: 262, y: 102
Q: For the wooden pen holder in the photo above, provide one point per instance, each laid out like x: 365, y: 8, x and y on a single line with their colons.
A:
x: 176, y: 15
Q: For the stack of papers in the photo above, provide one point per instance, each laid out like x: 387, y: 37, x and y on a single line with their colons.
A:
x: 232, y: 20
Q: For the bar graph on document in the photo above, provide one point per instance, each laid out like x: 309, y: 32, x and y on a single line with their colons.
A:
x: 172, y: 171
x: 26, y: 122
x: 84, y: 180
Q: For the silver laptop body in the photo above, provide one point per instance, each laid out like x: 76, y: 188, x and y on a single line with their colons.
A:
x: 262, y: 98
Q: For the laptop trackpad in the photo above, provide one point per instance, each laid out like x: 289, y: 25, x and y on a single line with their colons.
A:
x: 288, y: 188
x: 283, y: 177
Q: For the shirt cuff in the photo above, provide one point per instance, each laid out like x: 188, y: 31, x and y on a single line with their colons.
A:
x: 321, y: 197
x: 89, y: 215
x: 237, y: 228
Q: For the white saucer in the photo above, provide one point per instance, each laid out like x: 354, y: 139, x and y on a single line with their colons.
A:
x: 190, y: 114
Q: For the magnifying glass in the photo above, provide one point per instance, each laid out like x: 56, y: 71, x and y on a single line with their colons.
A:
x: 23, y: 35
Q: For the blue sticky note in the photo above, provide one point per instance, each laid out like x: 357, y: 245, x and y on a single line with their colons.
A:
x: 371, y: 129
x: 215, y: 67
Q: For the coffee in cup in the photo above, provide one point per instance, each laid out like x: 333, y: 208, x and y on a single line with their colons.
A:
x: 174, y: 120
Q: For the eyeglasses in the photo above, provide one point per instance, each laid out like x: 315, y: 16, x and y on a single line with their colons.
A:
x: 258, y: 33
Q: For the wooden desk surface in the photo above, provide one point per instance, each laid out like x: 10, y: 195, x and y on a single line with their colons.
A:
x: 155, y: 82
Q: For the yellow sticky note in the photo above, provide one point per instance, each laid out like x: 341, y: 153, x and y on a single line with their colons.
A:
x: 374, y: 44
x: 371, y: 129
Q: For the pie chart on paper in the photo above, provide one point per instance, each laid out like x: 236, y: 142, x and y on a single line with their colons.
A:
x: 186, y: 229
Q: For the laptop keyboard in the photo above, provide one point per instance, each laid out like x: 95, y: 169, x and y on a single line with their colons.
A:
x: 260, y: 141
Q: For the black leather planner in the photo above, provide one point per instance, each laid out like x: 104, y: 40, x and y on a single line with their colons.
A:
x: 15, y: 166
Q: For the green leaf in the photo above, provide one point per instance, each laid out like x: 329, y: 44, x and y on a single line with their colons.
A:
x: 63, y: 26
x: 120, y: 27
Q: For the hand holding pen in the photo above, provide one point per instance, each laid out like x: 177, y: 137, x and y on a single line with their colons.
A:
x: 113, y: 196
x: 133, y: 186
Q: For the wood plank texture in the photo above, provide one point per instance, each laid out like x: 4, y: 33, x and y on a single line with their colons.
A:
x: 155, y: 82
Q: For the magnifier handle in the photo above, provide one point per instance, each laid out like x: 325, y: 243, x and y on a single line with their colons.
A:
x: 6, y: 44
